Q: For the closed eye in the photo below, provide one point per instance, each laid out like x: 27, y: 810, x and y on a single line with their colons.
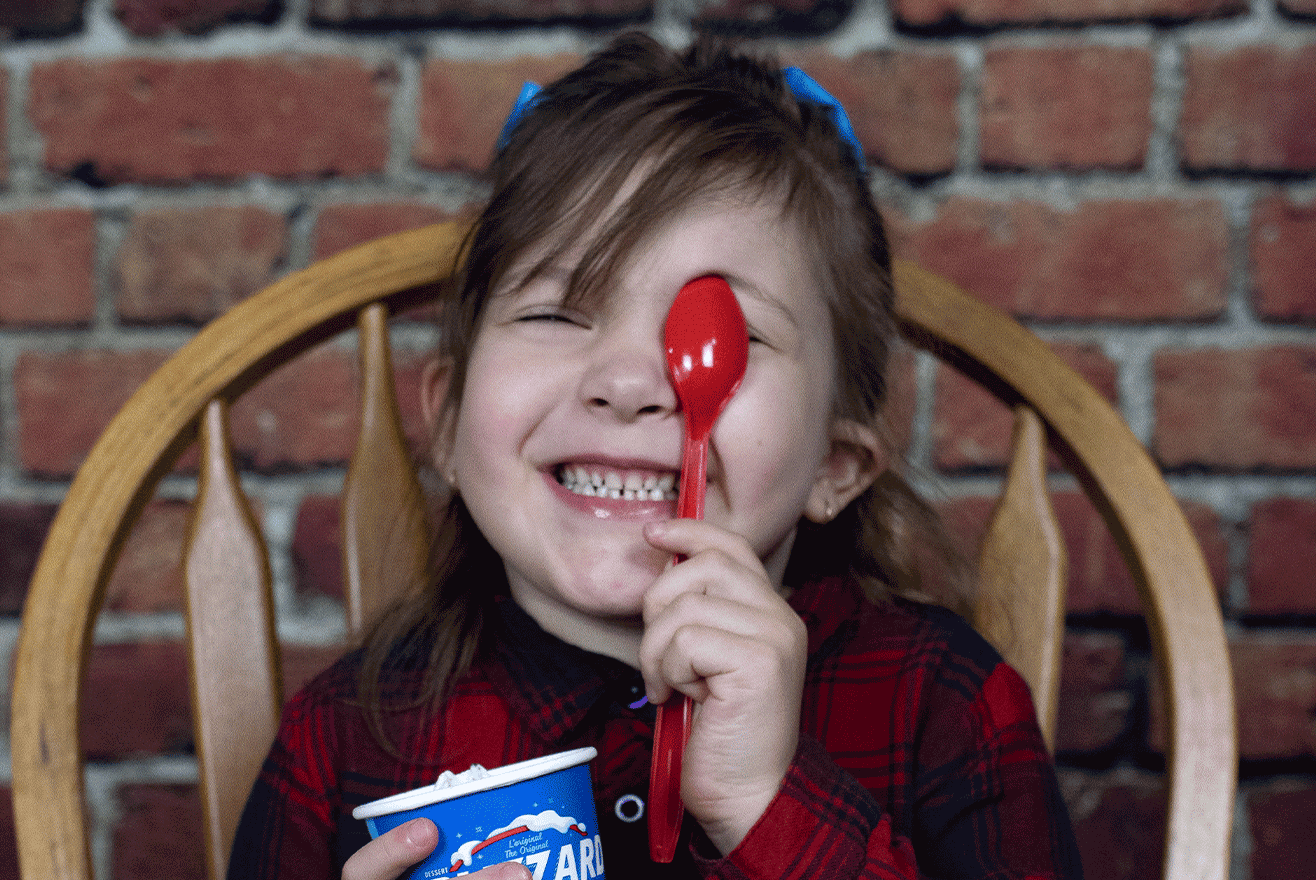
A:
x: 553, y: 315
x: 549, y: 316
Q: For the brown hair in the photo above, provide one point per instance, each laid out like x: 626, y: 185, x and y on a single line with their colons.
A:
x: 668, y: 129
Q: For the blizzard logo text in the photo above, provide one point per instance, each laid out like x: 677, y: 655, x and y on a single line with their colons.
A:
x: 523, y: 840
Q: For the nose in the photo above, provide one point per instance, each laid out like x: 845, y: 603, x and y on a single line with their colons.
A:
x: 628, y: 381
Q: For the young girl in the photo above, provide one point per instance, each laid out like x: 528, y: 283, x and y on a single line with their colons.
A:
x: 841, y: 730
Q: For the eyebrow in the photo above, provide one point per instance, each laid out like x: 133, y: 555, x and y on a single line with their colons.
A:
x: 521, y: 277
x: 747, y: 287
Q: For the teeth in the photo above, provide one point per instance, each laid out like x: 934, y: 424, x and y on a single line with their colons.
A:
x: 596, y: 482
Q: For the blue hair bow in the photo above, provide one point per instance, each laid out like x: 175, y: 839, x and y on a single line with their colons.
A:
x: 524, y: 103
x: 806, y: 88
x: 803, y: 86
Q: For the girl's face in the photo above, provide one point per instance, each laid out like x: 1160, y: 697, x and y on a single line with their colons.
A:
x: 557, y: 397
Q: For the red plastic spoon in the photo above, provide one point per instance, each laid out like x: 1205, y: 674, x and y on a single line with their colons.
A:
x: 707, y: 347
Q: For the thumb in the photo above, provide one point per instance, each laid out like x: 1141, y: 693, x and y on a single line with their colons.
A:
x: 388, y: 855
x: 505, y: 871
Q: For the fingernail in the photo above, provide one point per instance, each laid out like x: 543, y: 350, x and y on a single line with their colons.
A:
x: 418, y: 832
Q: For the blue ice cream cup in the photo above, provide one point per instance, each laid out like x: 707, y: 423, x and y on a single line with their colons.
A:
x: 538, y: 812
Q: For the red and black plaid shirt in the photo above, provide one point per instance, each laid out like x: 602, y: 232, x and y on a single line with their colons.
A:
x: 920, y: 755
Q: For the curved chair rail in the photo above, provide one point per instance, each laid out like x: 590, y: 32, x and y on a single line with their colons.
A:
x: 118, y: 478
x: 1122, y: 481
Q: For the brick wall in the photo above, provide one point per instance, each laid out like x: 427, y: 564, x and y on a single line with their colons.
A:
x: 1135, y: 179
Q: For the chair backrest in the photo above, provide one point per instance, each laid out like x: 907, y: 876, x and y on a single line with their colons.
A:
x: 237, y: 693
x: 1119, y: 477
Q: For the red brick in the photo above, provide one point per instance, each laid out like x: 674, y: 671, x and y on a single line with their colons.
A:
x: 1247, y: 410
x: 1099, y: 579
x: 342, y: 226
x: 191, y: 265
x: 925, y: 13
x: 155, y: 121
x: 965, y: 519
x: 971, y: 428
x: 1275, y: 690
x: 1106, y: 260
x: 301, y: 663
x: 1282, y: 243
x: 149, y: 18
x: 65, y: 400
x: 23, y: 530
x: 902, y: 105
x: 148, y: 576
x: 407, y: 368
x: 8, y: 841
x: 317, y: 547
x: 306, y: 413
x: 771, y: 16
x: 141, y: 701
x: 1280, y: 557
x: 1280, y: 821
x: 383, y: 13
x: 4, y: 139
x: 158, y: 833
x: 1095, y: 702
x: 1249, y: 109
x: 902, y: 398
x: 1120, y: 827
x: 302, y: 415
x: 47, y: 259
x: 1066, y: 107
x: 41, y: 17
x: 464, y: 104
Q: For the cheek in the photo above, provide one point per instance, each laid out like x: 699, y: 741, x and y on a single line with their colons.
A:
x: 487, y: 420
x: 773, y: 439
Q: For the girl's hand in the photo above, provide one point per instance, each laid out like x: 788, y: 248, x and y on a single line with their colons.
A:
x: 393, y: 852
x: 716, y: 630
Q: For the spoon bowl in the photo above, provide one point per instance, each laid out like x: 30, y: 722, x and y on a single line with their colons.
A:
x: 707, y: 350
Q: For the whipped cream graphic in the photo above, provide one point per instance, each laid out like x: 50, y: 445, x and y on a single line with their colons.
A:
x: 548, y: 820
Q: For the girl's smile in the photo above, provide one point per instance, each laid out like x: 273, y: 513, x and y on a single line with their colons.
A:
x: 568, y: 435
x: 618, y: 492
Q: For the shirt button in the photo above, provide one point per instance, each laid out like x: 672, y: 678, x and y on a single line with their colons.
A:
x: 629, y: 808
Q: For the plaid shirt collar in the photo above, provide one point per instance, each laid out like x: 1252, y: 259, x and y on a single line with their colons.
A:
x: 554, y: 686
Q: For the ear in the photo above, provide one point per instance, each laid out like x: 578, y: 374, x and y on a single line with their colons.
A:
x: 857, y: 457
x: 439, y: 413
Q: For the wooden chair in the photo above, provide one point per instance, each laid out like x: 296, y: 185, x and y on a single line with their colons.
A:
x: 237, y: 693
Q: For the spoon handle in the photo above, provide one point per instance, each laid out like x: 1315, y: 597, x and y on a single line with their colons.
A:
x: 694, y: 476
x: 672, y: 727
x: 665, y: 808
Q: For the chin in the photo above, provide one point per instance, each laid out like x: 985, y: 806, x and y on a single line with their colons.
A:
x: 617, y: 601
